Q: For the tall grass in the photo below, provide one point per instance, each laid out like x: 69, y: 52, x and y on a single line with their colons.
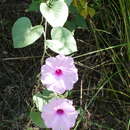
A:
x: 110, y: 30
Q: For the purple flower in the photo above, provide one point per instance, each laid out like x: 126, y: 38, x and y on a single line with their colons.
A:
x: 59, y: 114
x: 59, y: 73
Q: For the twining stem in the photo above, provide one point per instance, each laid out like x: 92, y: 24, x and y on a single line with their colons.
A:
x: 44, y: 51
x: 42, y: 20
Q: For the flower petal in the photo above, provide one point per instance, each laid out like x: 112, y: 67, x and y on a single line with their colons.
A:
x: 57, y: 121
x: 64, y: 81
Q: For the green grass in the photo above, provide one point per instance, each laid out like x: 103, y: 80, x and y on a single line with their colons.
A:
x: 111, y: 37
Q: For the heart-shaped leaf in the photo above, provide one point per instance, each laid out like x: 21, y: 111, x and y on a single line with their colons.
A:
x: 24, y: 34
x: 40, y: 99
x: 36, y: 118
x: 62, y: 41
x: 57, y: 14
x: 57, y: 47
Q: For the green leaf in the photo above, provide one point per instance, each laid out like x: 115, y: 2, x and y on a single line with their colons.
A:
x: 87, y: 11
x: 24, y: 34
x: 76, y: 22
x: 57, y: 47
x: 40, y: 99
x: 68, y: 2
x: 56, y: 15
x: 73, y: 9
x: 70, y: 25
x: 36, y: 118
x: 62, y: 41
x: 79, y: 21
x: 29, y: 128
x: 76, y: 19
x: 34, y: 6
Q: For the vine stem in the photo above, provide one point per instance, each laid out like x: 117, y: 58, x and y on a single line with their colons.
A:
x: 44, y: 50
x: 41, y: 21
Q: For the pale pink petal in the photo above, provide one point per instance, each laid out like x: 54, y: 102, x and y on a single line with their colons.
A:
x: 47, y: 118
x: 59, y: 121
x: 61, y: 124
x: 48, y: 79
x: 51, y: 62
x: 71, y: 74
x: 69, y: 81
x: 59, y: 73
x: 67, y: 107
x: 71, y: 117
x: 57, y: 87
x: 66, y: 61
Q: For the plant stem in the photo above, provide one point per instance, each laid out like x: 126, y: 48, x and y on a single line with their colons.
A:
x: 44, y: 51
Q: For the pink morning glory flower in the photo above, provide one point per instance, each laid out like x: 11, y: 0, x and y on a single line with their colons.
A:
x: 59, y: 73
x: 59, y: 114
